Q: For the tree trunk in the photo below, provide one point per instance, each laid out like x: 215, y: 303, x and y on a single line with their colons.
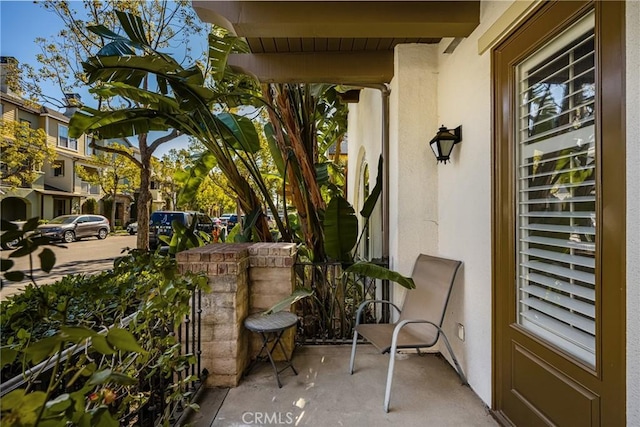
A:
x: 144, y: 200
x: 113, y: 210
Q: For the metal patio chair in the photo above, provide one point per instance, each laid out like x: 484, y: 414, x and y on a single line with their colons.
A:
x: 421, y: 318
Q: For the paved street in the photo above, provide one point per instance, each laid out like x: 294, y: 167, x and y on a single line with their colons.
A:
x: 86, y: 256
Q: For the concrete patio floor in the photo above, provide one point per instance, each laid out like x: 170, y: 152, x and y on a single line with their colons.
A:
x: 426, y: 391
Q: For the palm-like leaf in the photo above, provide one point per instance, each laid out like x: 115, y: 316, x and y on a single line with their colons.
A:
x: 239, y: 132
x: 371, y: 201
x: 219, y: 50
x: 378, y: 272
x: 193, y: 177
x: 340, y: 229
x: 115, y: 124
x: 133, y: 26
x: 296, y: 296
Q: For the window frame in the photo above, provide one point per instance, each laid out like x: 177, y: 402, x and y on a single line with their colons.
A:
x: 57, y: 165
x: 70, y: 143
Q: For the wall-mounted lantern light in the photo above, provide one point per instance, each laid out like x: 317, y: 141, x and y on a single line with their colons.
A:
x: 442, y: 144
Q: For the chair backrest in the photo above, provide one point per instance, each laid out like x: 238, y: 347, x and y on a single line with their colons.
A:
x: 434, y: 277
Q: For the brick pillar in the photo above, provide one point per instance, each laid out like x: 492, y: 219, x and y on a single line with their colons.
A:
x: 244, y: 278
x: 224, y: 340
x: 271, y: 278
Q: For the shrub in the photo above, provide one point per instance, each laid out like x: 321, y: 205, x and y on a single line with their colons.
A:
x: 128, y: 317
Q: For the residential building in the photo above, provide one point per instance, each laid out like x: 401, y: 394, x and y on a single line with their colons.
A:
x: 58, y: 190
x: 540, y: 199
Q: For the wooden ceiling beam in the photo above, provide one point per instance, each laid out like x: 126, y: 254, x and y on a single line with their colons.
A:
x: 331, y: 19
x: 320, y: 67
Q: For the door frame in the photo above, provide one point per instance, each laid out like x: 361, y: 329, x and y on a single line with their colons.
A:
x: 611, y: 184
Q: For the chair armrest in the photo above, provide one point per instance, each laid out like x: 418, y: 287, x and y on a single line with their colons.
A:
x: 402, y: 324
x: 372, y: 301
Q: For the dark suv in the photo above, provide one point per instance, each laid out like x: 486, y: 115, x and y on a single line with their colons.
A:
x: 160, y: 224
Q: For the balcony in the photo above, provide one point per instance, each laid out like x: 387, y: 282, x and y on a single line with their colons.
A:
x: 426, y: 391
x: 87, y: 188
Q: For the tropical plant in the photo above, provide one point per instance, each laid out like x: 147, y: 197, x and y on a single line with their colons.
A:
x: 184, y: 238
x: 164, y: 24
x: 187, y: 101
x: 297, y: 113
x: 181, y: 103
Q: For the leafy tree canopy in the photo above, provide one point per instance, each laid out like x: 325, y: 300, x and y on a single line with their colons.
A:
x: 23, y: 151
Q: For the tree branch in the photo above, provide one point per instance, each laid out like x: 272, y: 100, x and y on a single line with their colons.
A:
x: 109, y: 149
x: 166, y: 138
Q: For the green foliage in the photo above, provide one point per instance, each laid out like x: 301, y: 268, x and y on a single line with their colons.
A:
x: 180, y: 101
x: 340, y: 229
x: 375, y: 271
x: 90, y: 206
x: 25, y: 243
x: 125, y: 315
x: 296, y: 296
x: 192, y: 177
x: 373, y: 197
x: 23, y: 151
x: 184, y: 238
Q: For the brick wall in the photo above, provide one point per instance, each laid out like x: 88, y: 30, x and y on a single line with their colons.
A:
x: 244, y: 278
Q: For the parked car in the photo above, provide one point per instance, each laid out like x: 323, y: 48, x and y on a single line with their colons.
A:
x: 160, y: 224
x: 132, y: 228
x: 75, y: 227
x: 229, y: 220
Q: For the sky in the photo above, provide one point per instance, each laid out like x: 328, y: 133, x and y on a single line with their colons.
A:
x: 21, y: 22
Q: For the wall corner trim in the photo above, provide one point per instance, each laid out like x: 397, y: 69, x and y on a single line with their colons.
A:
x: 505, y: 23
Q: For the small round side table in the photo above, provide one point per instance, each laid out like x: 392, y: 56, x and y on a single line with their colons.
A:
x: 271, y: 327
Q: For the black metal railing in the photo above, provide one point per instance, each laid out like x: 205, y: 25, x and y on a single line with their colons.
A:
x: 186, y: 381
x: 328, y: 316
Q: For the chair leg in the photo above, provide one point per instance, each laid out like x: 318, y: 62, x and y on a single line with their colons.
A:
x: 387, y: 391
x: 353, y: 351
x: 455, y: 361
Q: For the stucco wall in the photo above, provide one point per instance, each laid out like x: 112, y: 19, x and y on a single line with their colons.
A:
x: 413, y: 176
x: 464, y: 196
x: 461, y: 190
x: 365, y: 127
x: 633, y: 212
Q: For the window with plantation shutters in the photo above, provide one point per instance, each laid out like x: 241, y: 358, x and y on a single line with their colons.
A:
x: 556, y: 202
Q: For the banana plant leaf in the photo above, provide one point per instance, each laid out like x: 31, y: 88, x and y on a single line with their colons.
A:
x: 133, y: 27
x: 193, y: 176
x: 119, y: 123
x: 150, y: 99
x: 239, y: 132
x: 371, y: 201
x: 340, y: 229
x: 132, y: 70
x: 273, y: 148
x: 378, y: 272
x: 322, y: 173
x: 295, y: 296
x: 219, y: 50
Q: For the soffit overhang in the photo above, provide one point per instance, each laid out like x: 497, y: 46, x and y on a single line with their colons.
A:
x: 348, y: 42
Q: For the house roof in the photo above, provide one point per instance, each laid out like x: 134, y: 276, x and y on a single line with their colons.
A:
x: 50, y: 190
x: 33, y: 107
x: 347, y: 42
